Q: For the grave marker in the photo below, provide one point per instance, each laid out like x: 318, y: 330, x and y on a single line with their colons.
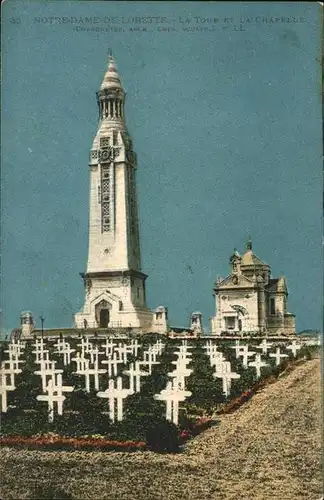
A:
x: 118, y: 394
x: 5, y: 387
x: 265, y: 346
x: 227, y: 376
x: 294, y: 347
x: 47, y: 369
x: 55, y: 395
x: 277, y: 355
x: 258, y: 364
x: 172, y: 395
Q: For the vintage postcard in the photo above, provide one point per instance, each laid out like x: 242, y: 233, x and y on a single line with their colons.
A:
x: 161, y: 215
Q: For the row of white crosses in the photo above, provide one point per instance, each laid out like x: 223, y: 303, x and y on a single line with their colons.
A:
x: 243, y: 351
x: 150, y: 355
x: 54, y: 387
x: 9, y: 369
x: 115, y: 355
x: 223, y: 368
x: 135, y: 373
x: 64, y: 348
x: 52, y: 377
x: 116, y: 393
x: 175, y: 392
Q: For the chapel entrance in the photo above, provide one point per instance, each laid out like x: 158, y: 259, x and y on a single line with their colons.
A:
x: 104, y: 318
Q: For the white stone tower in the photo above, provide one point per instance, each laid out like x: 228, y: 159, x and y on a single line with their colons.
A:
x: 114, y: 282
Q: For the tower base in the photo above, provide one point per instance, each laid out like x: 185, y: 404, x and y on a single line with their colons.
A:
x: 115, y: 299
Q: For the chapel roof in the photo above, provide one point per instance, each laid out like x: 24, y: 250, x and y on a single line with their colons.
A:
x: 277, y: 284
x: 249, y: 258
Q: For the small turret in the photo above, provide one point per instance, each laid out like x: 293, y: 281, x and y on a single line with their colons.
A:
x: 27, y: 323
x: 160, y: 320
x: 196, y: 324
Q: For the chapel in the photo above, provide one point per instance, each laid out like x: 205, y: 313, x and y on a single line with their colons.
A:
x: 250, y: 301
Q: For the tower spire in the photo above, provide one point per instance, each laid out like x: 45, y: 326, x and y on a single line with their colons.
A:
x: 249, y: 243
x: 111, y: 95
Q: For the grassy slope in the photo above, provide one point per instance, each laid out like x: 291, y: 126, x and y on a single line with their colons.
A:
x: 269, y: 449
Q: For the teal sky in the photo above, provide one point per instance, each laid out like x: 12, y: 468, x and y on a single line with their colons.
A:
x: 226, y: 124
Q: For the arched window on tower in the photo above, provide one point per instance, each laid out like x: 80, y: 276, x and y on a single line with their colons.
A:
x: 272, y: 305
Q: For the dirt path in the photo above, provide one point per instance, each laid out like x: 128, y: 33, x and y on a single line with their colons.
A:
x: 269, y: 449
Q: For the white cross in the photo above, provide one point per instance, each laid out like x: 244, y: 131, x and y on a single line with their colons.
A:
x: 108, y: 347
x: 54, y: 395
x: 210, y: 348
x: 40, y: 351
x: 39, y: 343
x: 61, y: 344
x: 47, y: 369
x: 122, y: 352
x: 245, y: 353
x: 257, y: 363
x: 184, y: 344
x: 83, y: 369
x: 217, y: 361
x: 13, y: 363
x: 226, y: 375
x: 85, y: 345
x: 135, y: 373
x: 112, y: 362
x: 18, y: 345
x: 277, y: 355
x: 238, y: 347
x: 293, y: 347
x: 172, y: 395
x: 5, y: 387
x: 81, y: 362
x: 117, y: 393
x: 133, y: 347
x: 66, y: 351
x: 208, y: 344
x: 41, y: 356
x: 181, y: 361
x: 216, y: 355
x: 264, y: 346
x: 15, y: 348
x: 149, y: 360
x: 180, y: 374
x: 150, y: 353
x: 182, y: 350
x: 95, y: 371
x: 94, y: 353
x: 158, y: 347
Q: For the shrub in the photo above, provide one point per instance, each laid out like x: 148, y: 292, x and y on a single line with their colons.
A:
x: 18, y: 422
x: 163, y: 437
